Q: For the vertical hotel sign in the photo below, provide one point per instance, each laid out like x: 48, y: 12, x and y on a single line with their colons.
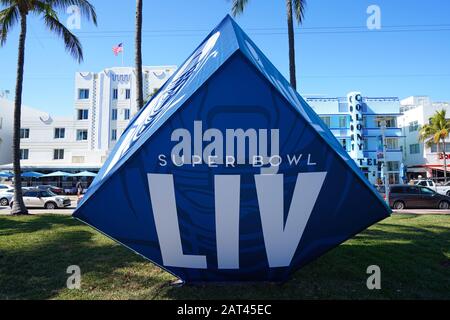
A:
x: 356, y: 125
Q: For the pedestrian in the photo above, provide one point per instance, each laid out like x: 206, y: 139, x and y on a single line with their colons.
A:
x: 79, y: 187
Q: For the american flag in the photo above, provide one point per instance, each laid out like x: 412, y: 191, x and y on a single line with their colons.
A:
x: 117, y: 49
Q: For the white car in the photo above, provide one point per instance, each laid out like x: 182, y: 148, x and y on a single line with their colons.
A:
x: 44, y: 199
x: 5, y: 187
x: 445, y: 189
x: 6, y: 197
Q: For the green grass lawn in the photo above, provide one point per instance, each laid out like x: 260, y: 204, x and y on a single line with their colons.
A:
x: 413, y: 253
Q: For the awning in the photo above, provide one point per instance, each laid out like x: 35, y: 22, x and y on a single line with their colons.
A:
x: 417, y: 170
x: 441, y: 168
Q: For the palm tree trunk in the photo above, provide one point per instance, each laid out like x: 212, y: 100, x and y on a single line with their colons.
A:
x: 445, y: 163
x: 290, y: 23
x: 138, y: 56
x: 19, y: 206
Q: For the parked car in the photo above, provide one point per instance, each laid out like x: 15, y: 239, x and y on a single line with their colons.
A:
x: 445, y: 189
x: 5, y: 187
x: 36, y: 198
x: 413, y: 197
x: 6, y: 197
x: 55, y: 190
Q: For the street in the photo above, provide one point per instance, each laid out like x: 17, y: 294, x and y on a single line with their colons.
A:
x: 66, y: 211
x: 69, y: 211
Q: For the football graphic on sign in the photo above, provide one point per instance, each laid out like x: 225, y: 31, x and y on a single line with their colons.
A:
x: 228, y: 175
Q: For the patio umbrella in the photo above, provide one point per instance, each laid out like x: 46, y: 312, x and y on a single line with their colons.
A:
x: 85, y: 174
x: 57, y: 174
x: 32, y: 174
x: 6, y: 175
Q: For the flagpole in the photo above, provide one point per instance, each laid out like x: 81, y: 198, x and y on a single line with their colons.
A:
x: 122, y: 57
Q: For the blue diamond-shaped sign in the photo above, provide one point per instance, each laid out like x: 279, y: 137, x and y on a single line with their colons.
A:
x: 228, y: 175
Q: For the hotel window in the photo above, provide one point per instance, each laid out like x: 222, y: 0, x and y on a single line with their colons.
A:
x: 78, y: 159
x: 394, y: 178
x: 342, y: 122
x: 82, y: 135
x: 414, y: 148
x: 365, y: 144
x: 128, y: 94
x: 434, y: 148
x: 390, y: 122
x: 115, y: 94
x: 393, y: 165
x: 127, y: 114
x: 60, y: 133
x: 83, y: 94
x: 114, y: 134
x: 58, y: 154
x: 114, y: 114
x: 392, y: 143
x: 413, y: 126
x: 24, y: 133
x: 24, y: 153
x: 83, y: 114
x: 326, y: 120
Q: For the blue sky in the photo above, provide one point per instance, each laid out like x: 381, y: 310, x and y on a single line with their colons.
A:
x: 336, y: 53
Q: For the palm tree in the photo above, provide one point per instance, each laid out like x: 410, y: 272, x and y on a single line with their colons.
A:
x: 16, y: 12
x: 296, y: 6
x: 138, y: 55
x: 437, y: 131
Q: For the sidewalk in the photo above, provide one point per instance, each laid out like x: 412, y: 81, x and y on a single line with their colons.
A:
x: 66, y: 211
x: 422, y: 211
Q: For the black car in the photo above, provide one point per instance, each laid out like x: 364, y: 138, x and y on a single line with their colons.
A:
x: 414, y: 197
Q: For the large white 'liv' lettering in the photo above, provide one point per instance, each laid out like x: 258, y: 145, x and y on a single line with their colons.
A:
x: 282, y: 239
x: 162, y: 195
x: 227, y: 199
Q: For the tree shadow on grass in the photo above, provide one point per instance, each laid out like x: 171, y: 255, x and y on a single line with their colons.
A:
x: 410, y: 258
x: 39, y: 271
x: 11, y: 225
x: 412, y: 262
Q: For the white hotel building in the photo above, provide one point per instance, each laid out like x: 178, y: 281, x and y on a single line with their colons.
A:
x: 420, y: 159
x: 359, y: 130
x: 104, y: 104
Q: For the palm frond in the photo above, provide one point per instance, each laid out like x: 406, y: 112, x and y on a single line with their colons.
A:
x: 436, y: 130
x: 238, y: 7
x: 71, y: 42
x: 7, y: 3
x: 299, y: 10
x: 8, y: 18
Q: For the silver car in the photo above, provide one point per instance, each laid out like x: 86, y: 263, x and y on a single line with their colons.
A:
x: 44, y: 199
x: 6, y: 197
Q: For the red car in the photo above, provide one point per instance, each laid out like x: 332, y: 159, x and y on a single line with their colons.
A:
x: 55, y: 190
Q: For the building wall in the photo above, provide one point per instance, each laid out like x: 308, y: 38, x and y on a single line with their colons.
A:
x: 102, y: 102
x: 6, y: 112
x: 418, y: 111
x: 99, y: 104
x: 6, y: 126
x: 359, y: 132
